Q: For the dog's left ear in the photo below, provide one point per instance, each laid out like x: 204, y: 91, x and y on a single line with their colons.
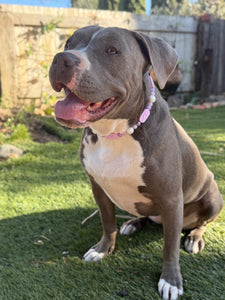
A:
x: 159, y: 54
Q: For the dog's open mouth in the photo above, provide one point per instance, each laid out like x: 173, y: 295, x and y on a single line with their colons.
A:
x: 76, y: 112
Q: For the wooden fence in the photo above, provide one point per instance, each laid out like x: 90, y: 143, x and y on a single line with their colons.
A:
x: 31, y: 36
x: 210, y: 62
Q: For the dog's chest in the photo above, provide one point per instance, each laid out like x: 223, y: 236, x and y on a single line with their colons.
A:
x: 117, y: 166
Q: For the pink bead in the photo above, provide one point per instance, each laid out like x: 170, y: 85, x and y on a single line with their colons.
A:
x: 144, y: 116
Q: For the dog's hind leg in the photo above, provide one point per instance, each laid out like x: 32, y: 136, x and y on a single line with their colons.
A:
x: 197, y: 215
x: 194, y: 241
x: 133, y: 225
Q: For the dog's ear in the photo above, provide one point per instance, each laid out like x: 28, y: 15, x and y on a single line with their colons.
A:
x: 159, y: 54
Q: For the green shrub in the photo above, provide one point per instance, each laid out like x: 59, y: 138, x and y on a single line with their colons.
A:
x: 20, y: 132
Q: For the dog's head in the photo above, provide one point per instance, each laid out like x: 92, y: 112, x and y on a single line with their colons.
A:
x: 103, y: 73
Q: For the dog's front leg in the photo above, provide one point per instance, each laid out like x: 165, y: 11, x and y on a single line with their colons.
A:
x: 107, y: 212
x: 170, y: 283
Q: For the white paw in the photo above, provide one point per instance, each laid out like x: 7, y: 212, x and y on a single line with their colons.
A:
x: 168, y: 291
x: 93, y: 255
x: 194, y: 245
x: 127, y: 229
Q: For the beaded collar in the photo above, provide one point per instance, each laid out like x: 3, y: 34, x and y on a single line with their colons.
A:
x: 144, y: 116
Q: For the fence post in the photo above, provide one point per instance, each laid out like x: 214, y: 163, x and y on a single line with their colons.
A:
x: 8, y: 65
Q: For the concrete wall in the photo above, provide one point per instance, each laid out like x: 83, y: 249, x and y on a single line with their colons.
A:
x: 30, y: 37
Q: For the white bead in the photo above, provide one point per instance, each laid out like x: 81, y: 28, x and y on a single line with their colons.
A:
x: 130, y: 130
x: 152, y: 98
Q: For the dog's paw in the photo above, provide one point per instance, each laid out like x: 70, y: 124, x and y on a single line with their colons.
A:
x: 127, y: 229
x: 168, y: 291
x: 132, y: 226
x: 104, y: 247
x: 93, y: 255
x: 194, y: 244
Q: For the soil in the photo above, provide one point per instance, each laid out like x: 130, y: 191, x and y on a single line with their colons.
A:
x: 34, y: 124
x: 39, y: 133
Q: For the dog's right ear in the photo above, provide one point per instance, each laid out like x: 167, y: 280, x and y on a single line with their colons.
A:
x: 159, y: 54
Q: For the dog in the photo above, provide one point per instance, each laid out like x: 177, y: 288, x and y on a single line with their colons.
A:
x: 136, y: 155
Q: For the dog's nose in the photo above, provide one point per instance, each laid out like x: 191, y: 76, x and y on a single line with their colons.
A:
x: 62, y: 69
x: 65, y: 60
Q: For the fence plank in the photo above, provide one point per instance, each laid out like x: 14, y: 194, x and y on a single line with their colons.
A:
x: 8, y: 66
x: 210, y: 71
x: 221, y: 60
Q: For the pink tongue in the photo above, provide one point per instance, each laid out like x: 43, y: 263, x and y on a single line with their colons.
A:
x: 72, y: 107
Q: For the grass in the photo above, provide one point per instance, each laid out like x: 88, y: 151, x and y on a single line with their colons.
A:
x: 45, y: 195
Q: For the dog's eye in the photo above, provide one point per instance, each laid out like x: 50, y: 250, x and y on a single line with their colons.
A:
x: 68, y: 44
x: 111, y: 50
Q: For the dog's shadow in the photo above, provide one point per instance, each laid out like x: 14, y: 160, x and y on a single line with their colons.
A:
x: 47, y: 236
x: 57, y: 241
x: 50, y: 235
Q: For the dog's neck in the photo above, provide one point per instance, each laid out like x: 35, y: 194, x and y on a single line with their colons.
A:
x: 108, y: 127
x: 114, y: 129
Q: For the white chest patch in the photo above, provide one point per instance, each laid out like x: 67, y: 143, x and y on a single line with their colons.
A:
x: 116, y: 165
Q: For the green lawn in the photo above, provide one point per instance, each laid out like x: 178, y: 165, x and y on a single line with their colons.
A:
x: 45, y: 195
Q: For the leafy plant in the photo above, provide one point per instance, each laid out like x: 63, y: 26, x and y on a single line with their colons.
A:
x: 45, y: 67
x: 20, y: 132
x: 29, y: 49
x: 188, y: 8
x: 47, y: 27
